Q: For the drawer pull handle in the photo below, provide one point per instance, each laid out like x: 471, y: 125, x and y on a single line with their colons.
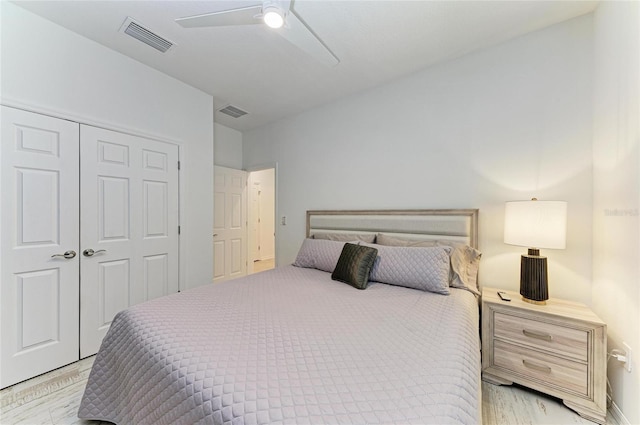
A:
x: 532, y: 334
x: 541, y: 368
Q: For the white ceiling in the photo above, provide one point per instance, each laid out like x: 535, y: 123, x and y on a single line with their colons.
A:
x: 258, y: 71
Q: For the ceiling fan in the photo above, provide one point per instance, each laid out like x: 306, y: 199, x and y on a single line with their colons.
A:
x: 276, y: 14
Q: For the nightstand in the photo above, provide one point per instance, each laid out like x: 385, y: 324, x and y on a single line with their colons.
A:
x: 558, y: 349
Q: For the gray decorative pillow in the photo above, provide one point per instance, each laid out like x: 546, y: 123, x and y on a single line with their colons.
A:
x: 319, y: 254
x: 354, y: 265
x: 423, y: 268
x: 465, y: 260
x: 346, y: 237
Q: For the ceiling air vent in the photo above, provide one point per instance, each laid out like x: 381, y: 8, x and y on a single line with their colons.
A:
x: 137, y: 31
x: 232, y: 111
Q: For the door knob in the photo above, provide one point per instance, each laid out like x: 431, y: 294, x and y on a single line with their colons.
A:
x: 67, y: 255
x: 90, y: 252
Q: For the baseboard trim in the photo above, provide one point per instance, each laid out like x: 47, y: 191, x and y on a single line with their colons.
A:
x: 618, y: 415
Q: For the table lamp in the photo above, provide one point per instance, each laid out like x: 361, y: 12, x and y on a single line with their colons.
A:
x: 535, y: 224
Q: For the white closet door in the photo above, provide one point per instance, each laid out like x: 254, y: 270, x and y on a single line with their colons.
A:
x: 229, y: 224
x: 39, y: 223
x: 129, y: 227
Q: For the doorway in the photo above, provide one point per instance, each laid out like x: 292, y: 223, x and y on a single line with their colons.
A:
x: 262, y: 218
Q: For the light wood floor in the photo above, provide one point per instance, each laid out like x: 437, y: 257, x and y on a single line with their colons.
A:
x: 512, y: 404
x: 54, y: 398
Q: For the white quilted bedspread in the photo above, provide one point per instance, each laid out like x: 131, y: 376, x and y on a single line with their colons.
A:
x: 290, y: 346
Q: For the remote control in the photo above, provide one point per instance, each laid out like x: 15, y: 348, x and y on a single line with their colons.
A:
x: 503, y: 296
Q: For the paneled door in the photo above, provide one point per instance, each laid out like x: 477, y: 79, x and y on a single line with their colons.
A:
x: 128, y: 226
x: 39, y: 240
x: 229, y: 224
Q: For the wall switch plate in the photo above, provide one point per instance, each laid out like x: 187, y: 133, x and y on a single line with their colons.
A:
x: 627, y: 349
x: 283, y: 220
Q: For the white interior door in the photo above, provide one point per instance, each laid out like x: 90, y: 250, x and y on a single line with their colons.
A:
x: 39, y: 224
x: 129, y: 226
x: 229, y: 224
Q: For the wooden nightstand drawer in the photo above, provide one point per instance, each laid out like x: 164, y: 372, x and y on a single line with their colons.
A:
x: 559, y: 340
x: 569, y: 375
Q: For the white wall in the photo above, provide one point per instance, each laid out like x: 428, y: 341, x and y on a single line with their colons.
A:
x: 506, y: 123
x: 49, y: 68
x: 616, y: 212
x: 227, y: 147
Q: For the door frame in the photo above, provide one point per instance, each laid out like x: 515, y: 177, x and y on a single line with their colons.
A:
x: 276, y: 214
x: 81, y: 119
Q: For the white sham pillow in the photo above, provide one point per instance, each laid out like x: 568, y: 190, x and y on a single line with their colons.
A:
x: 346, y: 237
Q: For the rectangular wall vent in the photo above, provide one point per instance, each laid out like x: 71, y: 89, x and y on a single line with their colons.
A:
x: 140, y: 33
x: 232, y: 111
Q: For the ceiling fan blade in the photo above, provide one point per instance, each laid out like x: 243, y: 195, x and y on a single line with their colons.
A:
x: 284, y: 5
x: 301, y: 36
x: 241, y: 16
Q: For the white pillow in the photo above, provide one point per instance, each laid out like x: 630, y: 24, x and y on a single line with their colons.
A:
x: 319, y: 254
x: 465, y: 262
x: 426, y: 269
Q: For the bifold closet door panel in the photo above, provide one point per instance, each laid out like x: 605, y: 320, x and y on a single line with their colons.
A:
x: 39, y: 236
x: 129, y: 226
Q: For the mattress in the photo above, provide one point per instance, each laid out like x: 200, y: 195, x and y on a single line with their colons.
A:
x: 290, y: 345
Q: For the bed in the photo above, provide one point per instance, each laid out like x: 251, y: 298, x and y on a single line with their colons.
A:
x: 292, y: 345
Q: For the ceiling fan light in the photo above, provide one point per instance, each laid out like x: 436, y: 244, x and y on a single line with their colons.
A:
x: 273, y: 16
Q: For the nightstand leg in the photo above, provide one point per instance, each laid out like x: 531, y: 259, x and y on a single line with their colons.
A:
x: 495, y: 380
x: 586, y: 413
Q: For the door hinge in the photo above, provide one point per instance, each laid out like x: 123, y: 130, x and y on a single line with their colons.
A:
x: 178, y: 165
x: 178, y: 229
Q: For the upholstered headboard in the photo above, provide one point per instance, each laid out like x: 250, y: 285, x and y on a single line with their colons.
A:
x: 448, y: 224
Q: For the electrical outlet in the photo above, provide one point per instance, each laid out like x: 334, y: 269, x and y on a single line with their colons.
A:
x: 283, y: 220
x: 627, y: 349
